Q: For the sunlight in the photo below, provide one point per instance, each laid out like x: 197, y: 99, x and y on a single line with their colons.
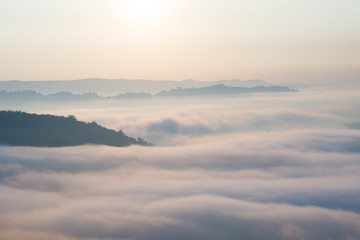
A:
x: 144, y: 10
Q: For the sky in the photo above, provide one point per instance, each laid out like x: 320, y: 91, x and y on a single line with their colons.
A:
x: 278, y: 40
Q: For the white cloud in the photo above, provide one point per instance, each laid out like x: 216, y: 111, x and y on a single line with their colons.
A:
x: 258, y: 172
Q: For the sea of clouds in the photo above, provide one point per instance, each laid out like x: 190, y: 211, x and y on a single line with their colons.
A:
x: 261, y: 166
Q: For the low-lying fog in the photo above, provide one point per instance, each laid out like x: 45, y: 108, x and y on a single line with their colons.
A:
x: 255, y: 166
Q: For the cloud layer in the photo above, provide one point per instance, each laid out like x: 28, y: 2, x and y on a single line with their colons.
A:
x: 259, y: 186
x: 219, y: 171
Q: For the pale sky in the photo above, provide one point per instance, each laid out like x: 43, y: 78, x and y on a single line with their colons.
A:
x: 273, y: 40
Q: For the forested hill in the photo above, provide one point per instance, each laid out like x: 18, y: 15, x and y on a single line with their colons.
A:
x: 24, y: 129
x: 223, y: 90
x: 115, y: 86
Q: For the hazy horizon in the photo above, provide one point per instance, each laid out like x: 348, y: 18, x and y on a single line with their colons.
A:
x: 278, y: 41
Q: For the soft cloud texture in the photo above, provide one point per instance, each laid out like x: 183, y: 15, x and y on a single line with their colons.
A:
x: 255, y: 167
x: 260, y: 186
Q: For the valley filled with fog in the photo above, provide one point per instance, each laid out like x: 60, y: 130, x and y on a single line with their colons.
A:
x: 179, y: 120
x: 256, y: 165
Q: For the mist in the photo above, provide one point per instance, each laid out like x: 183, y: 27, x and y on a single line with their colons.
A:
x: 253, y: 166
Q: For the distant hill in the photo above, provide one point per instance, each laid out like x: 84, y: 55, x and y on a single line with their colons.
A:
x: 106, y: 87
x: 355, y: 125
x: 222, y: 90
x: 30, y: 95
x: 24, y: 129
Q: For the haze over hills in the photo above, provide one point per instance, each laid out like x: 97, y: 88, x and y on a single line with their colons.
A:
x: 33, y: 96
x: 354, y: 125
x: 221, y: 89
x: 108, y: 87
x: 24, y: 129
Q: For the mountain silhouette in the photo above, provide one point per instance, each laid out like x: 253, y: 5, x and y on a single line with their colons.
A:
x: 221, y: 89
x: 354, y: 125
x: 106, y: 87
x: 23, y: 129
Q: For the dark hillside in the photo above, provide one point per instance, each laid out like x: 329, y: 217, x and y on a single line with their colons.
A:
x: 24, y: 129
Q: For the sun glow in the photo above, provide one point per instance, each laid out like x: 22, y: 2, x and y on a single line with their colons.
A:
x: 144, y: 10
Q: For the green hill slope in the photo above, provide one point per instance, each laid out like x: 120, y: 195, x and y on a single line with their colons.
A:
x: 24, y: 129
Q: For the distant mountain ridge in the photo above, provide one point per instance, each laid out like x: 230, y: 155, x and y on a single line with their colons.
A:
x: 116, y: 86
x: 354, y: 125
x: 24, y: 129
x: 33, y: 96
x: 220, y: 89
